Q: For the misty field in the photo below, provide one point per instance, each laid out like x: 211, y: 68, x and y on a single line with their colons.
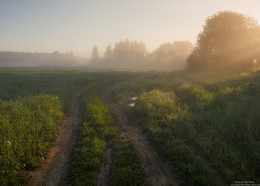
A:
x: 205, y: 126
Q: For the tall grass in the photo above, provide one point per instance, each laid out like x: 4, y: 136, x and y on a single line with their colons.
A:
x: 27, y: 127
x: 214, y: 115
x: 160, y: 113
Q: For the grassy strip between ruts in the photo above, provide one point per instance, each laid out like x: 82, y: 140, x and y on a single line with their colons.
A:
x: 98, y: 128
x: 126, y: 169
x: 27, y: 130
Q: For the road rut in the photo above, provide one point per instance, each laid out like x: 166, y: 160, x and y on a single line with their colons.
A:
x: 157, y: 172
x: 55, y: 168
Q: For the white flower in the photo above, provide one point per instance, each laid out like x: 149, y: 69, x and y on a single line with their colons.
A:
x: 9, y: 143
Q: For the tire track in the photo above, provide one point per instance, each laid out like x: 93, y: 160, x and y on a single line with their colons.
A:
x: 157, y: 172
x: 55, y: 168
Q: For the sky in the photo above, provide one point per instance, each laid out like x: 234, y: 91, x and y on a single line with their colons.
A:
x: 77, y: 25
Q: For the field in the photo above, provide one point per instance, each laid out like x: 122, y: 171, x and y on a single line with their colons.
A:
x: 186, y: 128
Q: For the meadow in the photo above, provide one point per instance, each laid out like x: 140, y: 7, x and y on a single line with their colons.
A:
x: 33, y: 103
x: 204, y: 125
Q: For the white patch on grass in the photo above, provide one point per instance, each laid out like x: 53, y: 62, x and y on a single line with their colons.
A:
x: 131, y: 104
x: 134, y: 98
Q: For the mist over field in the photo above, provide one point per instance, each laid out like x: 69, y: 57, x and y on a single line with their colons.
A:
x: 124, y: 55
x: 228, y: 40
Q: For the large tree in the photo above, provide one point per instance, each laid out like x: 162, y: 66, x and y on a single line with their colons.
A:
x: 228, y: 40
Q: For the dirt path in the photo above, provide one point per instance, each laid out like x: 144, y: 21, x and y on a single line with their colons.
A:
x: 55, y: 168
x: 157, y: 172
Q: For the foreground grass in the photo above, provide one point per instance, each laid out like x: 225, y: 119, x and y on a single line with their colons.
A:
x: 28, y: 128
x: 159, y: 113
x: 214, y: 116
x: 97, y: 130
x: 32, y: 102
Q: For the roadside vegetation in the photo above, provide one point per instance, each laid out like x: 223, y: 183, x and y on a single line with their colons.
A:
x: 28, y: 126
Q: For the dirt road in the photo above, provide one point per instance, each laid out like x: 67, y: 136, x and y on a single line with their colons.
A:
x: 157, y: 172
x: 55, y: 168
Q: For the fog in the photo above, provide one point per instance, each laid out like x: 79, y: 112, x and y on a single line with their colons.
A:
x: 134, y: 55
x: 25, y: 59
x: 228, y: 40
x: 123, y: 55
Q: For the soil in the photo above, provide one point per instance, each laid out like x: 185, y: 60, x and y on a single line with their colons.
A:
x: 55, y: 168
x: 156, y: 170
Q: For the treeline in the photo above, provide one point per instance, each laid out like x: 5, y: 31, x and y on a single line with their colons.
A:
x: 134, y: 55
x: 229, y: 40
x: 54, y: 59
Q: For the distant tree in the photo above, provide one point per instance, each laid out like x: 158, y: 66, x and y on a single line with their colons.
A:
x: 129, y: 50
x: 108, y: 54
x: 171, y: 55
x: 125, y: 54
x: 95, y: 54
x: 228, y: 40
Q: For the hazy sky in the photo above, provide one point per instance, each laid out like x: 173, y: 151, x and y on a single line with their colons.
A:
x: 76, y: 25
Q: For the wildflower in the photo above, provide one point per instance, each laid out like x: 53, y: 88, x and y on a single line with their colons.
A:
x: 9, y: 143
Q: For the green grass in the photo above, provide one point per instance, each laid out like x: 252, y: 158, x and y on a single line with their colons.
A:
x: 20, y: 82
x: 28, y: 128
x: 32, y: 102
x: 126, y: 169
x: 97, y: 131
x: 160, y: 114
x: 217, y: 114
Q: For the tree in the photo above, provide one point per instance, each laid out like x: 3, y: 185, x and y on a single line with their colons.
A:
x: 109, y: 52
x: 171, y: 55
x: 228, y: 40
x: 125, y: 54
x: 95, y: 54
